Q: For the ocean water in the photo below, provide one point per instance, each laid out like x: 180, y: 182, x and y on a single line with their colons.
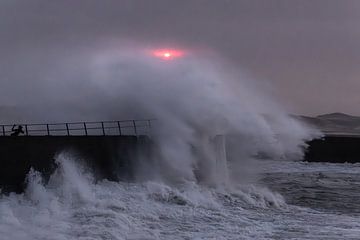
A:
x: 288, y: 200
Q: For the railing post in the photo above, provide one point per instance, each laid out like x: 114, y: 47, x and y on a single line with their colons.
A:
x: 3, y: 130
x: 47, y: 129
x: 67, y: 129
x: 149, y: 123
x: 102, y: 127
x: 118, y: 123
x: 135, y: 130
x: 86, y: 133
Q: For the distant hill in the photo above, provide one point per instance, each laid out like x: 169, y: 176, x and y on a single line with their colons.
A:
x: 334, y: 123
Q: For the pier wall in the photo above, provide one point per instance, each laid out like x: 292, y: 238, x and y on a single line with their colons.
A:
x: 114, y: 157
x: 111, y: 157
x: 334, y: 149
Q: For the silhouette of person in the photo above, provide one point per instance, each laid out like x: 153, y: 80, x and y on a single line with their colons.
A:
x: 16, y: 131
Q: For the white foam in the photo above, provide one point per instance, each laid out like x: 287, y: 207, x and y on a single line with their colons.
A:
x: 155, y: 210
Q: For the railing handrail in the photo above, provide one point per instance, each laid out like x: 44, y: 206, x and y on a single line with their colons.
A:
x: 69, y: 128
x: 91, y: 122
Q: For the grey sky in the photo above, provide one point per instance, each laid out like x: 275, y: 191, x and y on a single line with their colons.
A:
x: 308, y: 51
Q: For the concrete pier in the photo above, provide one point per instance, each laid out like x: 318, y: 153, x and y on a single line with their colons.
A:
x: 110, y: 156
x: 114, y: 157
x: 334, y: 148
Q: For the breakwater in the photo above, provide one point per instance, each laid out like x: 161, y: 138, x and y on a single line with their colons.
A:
x: 115, y: 157
x: 334, y: 149
x: 110, y: 156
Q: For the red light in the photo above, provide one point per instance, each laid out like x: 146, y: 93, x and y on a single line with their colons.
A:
x: 167, y: 54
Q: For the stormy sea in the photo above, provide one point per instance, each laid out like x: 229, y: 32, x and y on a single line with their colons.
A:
x: 250, y: 184
x: 291, y: 200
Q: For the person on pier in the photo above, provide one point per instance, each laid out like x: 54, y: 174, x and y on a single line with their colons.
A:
x: 17, y: 131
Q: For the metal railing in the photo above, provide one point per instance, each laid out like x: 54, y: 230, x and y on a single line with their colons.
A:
x: 104, y: 128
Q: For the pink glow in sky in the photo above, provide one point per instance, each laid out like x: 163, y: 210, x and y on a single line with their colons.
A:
x: 168, y: 54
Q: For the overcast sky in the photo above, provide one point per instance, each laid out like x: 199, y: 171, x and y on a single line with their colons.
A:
x: 308, y: 51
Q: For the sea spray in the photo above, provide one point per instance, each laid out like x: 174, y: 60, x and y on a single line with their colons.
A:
x: 193, y: 102
x: 193, y: 99
x: 72, y: 178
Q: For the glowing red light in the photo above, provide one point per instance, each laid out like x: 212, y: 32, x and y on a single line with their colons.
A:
x: 167, y: 54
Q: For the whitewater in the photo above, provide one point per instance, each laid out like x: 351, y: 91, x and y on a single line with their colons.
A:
x: 307, y: 201
x: 226, y: 164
